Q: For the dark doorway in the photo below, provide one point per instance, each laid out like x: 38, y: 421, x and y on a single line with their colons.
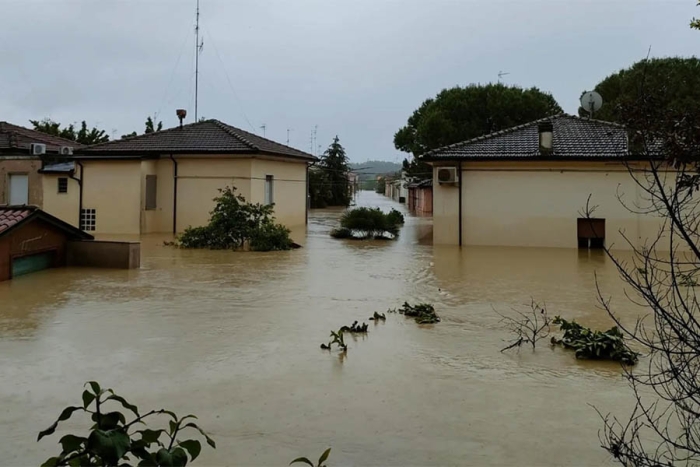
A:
x: 591, y: 233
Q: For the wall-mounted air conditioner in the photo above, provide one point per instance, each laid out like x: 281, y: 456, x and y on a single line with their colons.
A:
x: 37, y: 149
x: 447, y: 175
x: 66, y: 151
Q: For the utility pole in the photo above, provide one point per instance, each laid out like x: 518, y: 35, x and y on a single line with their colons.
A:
x: 198, y: 50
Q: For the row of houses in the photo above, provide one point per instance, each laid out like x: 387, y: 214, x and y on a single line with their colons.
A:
x: 160, y: 182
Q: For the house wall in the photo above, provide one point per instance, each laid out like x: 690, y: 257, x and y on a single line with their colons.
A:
x: 289, y: 189
x: 23, y: 165
x: 65, y: 206
x: 537, y: 204
x: 199, y: 181
x: 31, y: 238
x: 113, y: 189
x: 423, y: 201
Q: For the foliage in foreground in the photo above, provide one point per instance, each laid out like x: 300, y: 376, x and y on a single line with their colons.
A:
x: 113, y: 441
x: 367, y: 223
x: 321, y: 460
x: 236, y: 224
x: 594, y: 345
x: 423, y: 313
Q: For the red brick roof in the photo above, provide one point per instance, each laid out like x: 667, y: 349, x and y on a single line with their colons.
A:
x: 12, y: 215
x: 17, y: 137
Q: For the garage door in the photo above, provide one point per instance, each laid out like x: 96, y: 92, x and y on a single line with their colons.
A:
x: 32, y: 263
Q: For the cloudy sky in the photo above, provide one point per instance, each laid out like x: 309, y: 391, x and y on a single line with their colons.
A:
x: 354, y: 68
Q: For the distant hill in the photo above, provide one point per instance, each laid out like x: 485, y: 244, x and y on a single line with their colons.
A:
x: 371, y: 169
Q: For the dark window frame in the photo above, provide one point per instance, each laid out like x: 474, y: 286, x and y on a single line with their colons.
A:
x: 62, y: 185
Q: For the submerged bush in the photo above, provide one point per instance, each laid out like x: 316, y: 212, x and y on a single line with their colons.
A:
x: 368, y: 223
x: 423, y: 313
x: 236, y: 224
x: 594, y: 345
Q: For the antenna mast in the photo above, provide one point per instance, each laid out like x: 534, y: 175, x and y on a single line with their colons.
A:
x: 198, y: 49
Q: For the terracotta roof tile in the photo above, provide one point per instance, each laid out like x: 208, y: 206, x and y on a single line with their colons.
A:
x: 574, y: 138
x: 12, y: 215
x: 209, y: 136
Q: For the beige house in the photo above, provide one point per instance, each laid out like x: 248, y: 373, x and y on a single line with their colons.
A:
x: 22, y: 152
x: 528, y: 186
x: 165, y: 181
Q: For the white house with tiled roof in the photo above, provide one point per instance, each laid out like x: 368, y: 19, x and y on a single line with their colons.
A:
x: 529, y: 185
x: 164, y: 182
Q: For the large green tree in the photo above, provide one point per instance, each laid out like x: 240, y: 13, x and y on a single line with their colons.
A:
x: 673, y: 82
x: 462, y: 113
x: 328, y: 181
x: 83, y: 135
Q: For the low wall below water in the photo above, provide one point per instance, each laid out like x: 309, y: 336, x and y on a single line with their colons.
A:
x: 104, y: 254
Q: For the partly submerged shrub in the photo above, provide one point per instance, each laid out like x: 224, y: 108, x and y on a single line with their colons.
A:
x: 395, y: 217
x: 368, y: 223
x: 236, y: 224
x: 594, y: 345
x: 423, y: 313
x: 341, y: 232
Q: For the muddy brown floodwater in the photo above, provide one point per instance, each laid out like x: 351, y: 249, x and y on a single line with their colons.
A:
x: 234, y: 338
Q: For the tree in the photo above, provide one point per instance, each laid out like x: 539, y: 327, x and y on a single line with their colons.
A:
x: 674, y: 82
x: 151, y: 127
x: 83, y: 136
x: 695, y: 23
x: 328, y: 183
x: 662, y: 429
x: 461, y: 113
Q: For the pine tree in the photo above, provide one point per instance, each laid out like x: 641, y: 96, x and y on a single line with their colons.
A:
x: 334, y: 163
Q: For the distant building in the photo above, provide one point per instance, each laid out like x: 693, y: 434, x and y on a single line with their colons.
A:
x: 420, y: 197
x: 527, y: 186
x: 396, y: 188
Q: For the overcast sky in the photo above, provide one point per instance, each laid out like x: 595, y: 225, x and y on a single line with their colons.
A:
x: 354, y: 68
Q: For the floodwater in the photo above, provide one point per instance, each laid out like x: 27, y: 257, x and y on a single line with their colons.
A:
x: 234, y: 338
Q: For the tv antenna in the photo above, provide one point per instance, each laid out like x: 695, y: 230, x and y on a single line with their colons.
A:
x: 198, y: 49
x: 288, y: 130
x: 591, y: 102
x: 264, y: 128
x: 501, y: 74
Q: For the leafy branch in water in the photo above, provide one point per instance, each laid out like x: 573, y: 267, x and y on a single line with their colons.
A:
x: 378, y: 317
x: 527, y: 328
x: 355, y: 328
x: 423, y: 313
x: 305, y: 460
x: 594, y: 345
x: 112, y: 441
x: 338, y: 339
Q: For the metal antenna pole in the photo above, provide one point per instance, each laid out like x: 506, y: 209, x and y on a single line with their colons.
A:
x: 264, y: 127
x: 198, y: 49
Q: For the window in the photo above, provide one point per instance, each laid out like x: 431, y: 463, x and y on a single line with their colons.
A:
x: 63, y: 185
x: 269, y: 189
x: 591, y: 233
x: 88, y: 219
x: 151, y: 190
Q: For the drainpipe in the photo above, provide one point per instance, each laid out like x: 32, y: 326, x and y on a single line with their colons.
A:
x: 308, y: 195
x: 80, y: 186
x: 460, y: 203
x: 174, y: 194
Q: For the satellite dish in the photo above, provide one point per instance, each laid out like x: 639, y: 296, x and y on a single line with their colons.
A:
x: 591, y: 102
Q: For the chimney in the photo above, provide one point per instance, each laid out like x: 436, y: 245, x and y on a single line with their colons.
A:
x: 181, y: 114
x: 546, y: 130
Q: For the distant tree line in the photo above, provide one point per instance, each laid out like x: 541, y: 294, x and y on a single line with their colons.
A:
x: 83, y: 134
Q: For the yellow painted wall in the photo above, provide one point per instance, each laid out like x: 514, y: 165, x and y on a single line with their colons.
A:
x: 199, y: 181
x: 62, y: 205
x: 113, y: 188
x: 289, y: 189
x: 537, y: 204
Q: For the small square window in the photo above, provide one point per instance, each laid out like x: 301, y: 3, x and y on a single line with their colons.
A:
x: 63, y: 185
x: 88, y: 219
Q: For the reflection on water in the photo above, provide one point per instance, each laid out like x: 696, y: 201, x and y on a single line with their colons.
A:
x: 234, y: 338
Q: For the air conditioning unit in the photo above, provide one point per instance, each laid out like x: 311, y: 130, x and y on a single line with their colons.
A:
x: 447, y: 175
x: 66, y: 150
x: 37, y: 149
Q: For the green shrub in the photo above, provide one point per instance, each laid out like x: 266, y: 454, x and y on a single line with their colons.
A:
x: 594, y: 345
x: 113, y: 441
x: 368, y: 223
x: 341, y: 232
x: 395, y: 217
x: 235, y: 224
x: 423, y: 313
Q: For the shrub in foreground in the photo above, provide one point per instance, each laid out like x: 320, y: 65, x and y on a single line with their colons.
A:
x: 368, y: 223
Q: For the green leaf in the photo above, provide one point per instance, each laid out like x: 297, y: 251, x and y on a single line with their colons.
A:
x: 110, y: 445
x: 210, y: 441
x: 65, y: 415
x: 179, y: 457
x: 51, y: 462
x: 123, y: 402
x: 95, y: 387
x: 150, y: 436
x: 71, y: 443
x: 169, y: 413
x: 302, y: 460
x: 192, y: 446
x: 164, y: 458
x: 324, y: 456
x: 88, y: 397
x: 109, y: 421
x: 173, y: 426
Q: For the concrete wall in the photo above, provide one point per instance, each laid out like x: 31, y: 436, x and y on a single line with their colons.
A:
x: 289, y: 189
x: 104, y: 254
x: 537, y: 204
x: 113, y: 189
x: 65, y: 206
x: 23, y: 165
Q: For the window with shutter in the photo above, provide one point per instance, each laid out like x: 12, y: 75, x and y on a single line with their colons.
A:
x: 151, y: 190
